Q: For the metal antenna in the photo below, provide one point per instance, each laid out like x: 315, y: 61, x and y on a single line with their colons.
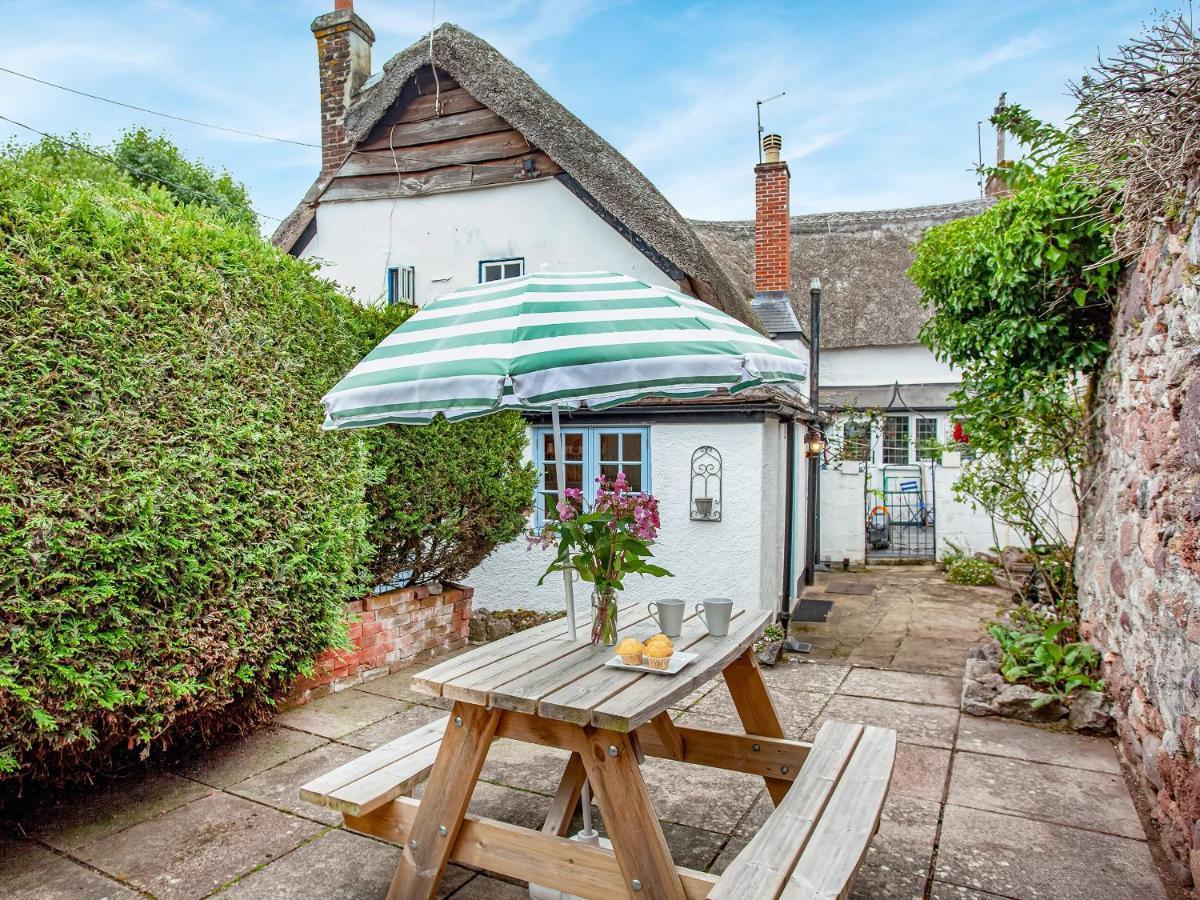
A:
x: 758, y: 105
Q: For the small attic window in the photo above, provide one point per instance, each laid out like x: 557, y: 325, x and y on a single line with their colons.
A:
x: 497, y: 269
x: 401, y: 285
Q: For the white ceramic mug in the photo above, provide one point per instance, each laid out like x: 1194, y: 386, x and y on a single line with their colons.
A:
x: 669, y: 615
x: 715, y: 612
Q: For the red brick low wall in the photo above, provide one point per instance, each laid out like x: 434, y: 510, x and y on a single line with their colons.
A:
x: 391, y: 631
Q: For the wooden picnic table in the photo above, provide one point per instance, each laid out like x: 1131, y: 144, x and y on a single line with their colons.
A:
x: 539, y: 687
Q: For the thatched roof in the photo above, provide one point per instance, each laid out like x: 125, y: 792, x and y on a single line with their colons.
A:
x: 618, y: 186
x: 862, y: 259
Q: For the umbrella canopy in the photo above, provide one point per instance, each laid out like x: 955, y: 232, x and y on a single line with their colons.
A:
x: 548, y: 340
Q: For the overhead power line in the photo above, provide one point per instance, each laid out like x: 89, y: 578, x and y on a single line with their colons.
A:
x: 155, y: 112
x: 220, y: 201
x: 396, y: 157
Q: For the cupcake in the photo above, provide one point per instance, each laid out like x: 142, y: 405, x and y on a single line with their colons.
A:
x: 630, y: 650
x: 658, y: 655
x: 660, y: 641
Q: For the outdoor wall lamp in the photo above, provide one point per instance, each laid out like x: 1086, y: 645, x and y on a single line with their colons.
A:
x: 815, y: 444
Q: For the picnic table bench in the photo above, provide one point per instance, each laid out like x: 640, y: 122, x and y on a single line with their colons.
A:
x: 537, y: 686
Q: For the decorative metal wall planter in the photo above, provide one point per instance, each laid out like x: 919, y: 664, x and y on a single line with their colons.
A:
x: 705, y: 494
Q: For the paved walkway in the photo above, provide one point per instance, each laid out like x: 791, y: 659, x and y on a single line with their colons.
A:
x: 977, y: 809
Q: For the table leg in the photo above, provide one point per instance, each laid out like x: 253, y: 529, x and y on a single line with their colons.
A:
x: 755, y: 708
x: 637, y: 838
x: 562, y: 808
x: 447, y: 794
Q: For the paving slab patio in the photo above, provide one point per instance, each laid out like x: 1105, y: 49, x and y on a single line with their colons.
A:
x: 195, y: 849
x: 32, y: 872
x: 1018, y: 857
x: 969, y: 800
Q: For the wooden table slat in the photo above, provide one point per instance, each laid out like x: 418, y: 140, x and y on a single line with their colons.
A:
x: 521, y: 694
x: 431, y: 680
x: 574, y: 702
x: 841, y: 837
x: 638, y: 703
x: 477, y: 686
x: 384, y: 785
x: 317, y: 790
x: 763, y: 867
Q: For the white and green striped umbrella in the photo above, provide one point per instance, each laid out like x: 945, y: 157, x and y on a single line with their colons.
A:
x: 548, y: 340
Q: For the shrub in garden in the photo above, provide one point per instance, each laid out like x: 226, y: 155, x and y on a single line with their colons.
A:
x: 444, y: 495
x: 176, y: 533
x: 969, y: 570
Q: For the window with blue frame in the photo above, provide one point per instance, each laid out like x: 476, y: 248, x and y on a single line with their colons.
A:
x: 589, y: 453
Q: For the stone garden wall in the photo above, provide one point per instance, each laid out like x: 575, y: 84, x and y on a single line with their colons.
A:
x: 1139, y: 560
x: 391, y: 630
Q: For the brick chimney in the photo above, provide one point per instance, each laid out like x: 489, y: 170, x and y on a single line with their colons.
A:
x: 772, y: 243
x: 344, y: 62
x: 772, y: 239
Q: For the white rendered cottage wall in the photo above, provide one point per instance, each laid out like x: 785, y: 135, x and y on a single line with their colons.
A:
x: 865, y: 366
x: 707, y: 559
x: 445, y: 237
x: 774, y: 505
x: 969, y: 528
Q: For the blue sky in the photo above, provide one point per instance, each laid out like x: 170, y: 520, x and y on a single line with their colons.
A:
x: 881, y: 106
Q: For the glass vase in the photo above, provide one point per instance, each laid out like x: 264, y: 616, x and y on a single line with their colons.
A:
x: 604, y: 617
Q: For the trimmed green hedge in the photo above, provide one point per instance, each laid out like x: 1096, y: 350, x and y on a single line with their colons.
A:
x: 177, y: 535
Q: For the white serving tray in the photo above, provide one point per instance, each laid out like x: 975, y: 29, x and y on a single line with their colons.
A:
x: 679, y: 659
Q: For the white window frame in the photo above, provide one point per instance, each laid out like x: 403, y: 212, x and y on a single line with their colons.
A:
x: 591, y: 460
x: 500, y: 266
x: 402, y: 285
x: 875, y: 451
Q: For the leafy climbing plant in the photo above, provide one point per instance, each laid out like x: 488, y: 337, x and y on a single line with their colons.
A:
x: 1021, y: 300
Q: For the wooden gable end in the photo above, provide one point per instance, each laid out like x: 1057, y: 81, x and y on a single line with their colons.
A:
x: 413, y: 150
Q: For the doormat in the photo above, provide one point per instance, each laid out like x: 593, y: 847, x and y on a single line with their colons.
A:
x: 860, y: 588
x: 807, y: 610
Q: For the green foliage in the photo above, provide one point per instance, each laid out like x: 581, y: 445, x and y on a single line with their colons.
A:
x: 952, y: 552
x: 177, y: 535
x: 1041, y: 654
x: 197, y: 184
x: 1026, y: 289
x: 969, y: 570
x: 604, y: 544
x: 444, y: 495
x: 1021, y: 298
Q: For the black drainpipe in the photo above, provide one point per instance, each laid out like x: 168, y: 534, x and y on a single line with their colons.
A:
x: 812, y: 533
x: 789, y: 512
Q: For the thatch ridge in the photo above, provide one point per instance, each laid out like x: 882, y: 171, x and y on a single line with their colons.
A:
x: 862, y: 259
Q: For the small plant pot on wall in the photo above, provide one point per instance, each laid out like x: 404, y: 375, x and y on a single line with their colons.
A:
x: 705, y: 493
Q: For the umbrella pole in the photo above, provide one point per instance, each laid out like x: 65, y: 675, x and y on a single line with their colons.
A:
x: 560, y: 470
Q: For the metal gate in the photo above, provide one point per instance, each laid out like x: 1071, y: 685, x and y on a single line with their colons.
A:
x: 900, y: 513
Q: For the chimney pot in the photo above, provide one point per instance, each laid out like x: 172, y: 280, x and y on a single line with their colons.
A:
x: 343, y: 4
x: 771, y: 144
